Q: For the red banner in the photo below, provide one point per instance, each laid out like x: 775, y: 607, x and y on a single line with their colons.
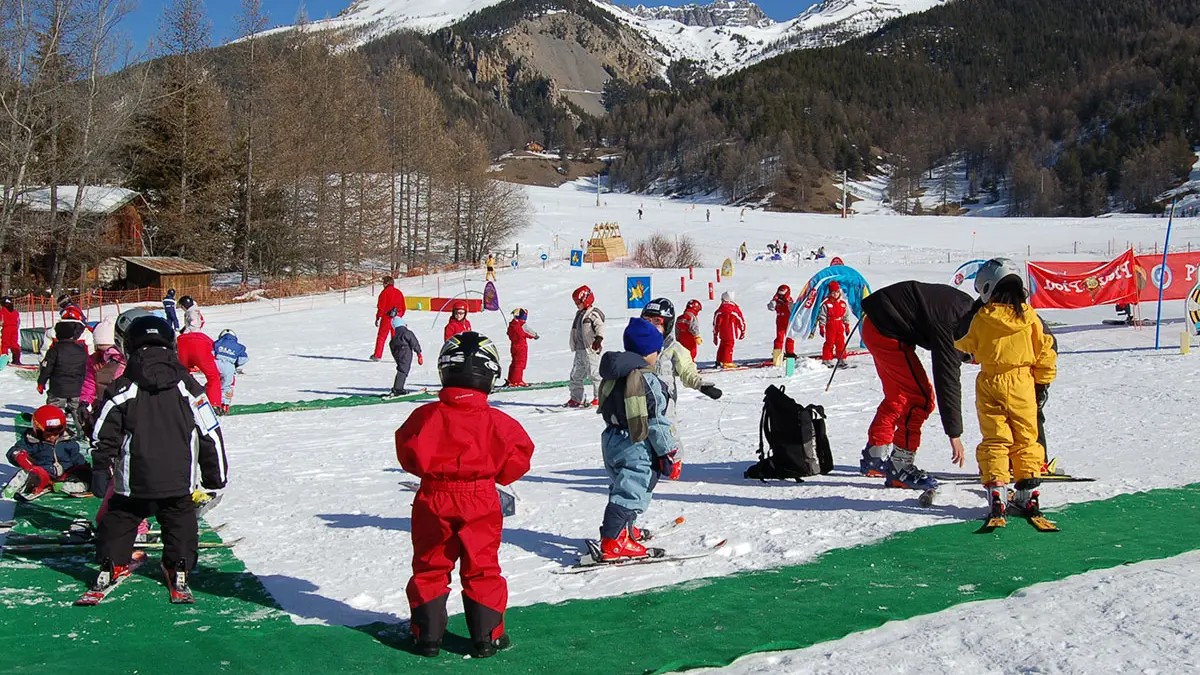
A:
x: 1104, y: 284
x: 1183, y: 271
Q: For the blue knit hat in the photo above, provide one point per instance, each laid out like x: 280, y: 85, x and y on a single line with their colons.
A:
x: 398, y: 321
x: 642, y: 337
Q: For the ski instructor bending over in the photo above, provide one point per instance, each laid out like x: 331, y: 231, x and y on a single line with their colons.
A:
x: 896, y: 320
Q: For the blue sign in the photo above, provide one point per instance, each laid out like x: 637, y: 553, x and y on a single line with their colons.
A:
x: 514, y: 264
x: 576, y: 258
x: 545, y: 257
x: 637, y: 292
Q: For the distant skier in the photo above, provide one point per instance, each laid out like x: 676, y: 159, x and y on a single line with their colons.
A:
x: 782, y: 305
x: 1016, y: 357
x: 587, y: 340
x: 390, y: 303
x: 168, y: 304
x: 64, y: 369
x: 743, y: 251
x: 687, y: 328
x: 729, y: 326
x: 460, y: 448
x: 519, y: 336
x: 403, y: 345
x: 230, y: 355
x: 637, y: 441
x: 458, y: 323
x: 674, y: 361
x: 898, y: 319
x: 491, y: 268
x: 49, y: 458
x: 833, y: 320
x: 639, y: 214
x: 195, y: 351
x: 707, y: 215
x: 10, y: 330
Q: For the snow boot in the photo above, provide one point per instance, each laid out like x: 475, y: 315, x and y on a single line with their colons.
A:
x: 621, y: 548
x: 482, y: 649
x: 910, y: 478
x: 876, y: 460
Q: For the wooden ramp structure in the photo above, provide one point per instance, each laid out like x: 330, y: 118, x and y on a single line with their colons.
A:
x: 606, y: 244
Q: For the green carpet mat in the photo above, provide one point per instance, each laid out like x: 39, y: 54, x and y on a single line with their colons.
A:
x: 235, y: 627
x: 360, y: 400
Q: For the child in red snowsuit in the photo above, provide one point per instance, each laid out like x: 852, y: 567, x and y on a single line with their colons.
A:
x: 728, y: 326
x: 518, y: 339
x: 781, y: 304
x: 687, y: 328
x: 10, y: 340
x: 833, y: 320
x: 389, y: 304
x: 460, y: 448
x: 195, y: 351
x: 458, y: 323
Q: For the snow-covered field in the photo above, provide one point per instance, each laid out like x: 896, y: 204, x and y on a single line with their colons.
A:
x: 316, y: 495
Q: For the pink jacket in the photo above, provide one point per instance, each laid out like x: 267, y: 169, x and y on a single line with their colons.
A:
x: 108, y: 365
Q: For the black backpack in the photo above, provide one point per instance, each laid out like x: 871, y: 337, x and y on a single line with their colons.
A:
x: 796, y: 436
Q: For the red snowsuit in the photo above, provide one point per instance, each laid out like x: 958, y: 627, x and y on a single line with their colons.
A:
x: 390, y: 298
x: 728, y: 325
x: 196, y: 351
x: 460, y: 448
x: 10, y: 335
x: 518, y: 340
x: 687, y: 332
x: 782, y: 306
x: 455, y: 327
x: 831, y: 319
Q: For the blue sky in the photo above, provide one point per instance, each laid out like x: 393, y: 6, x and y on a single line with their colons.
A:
x: 143, y: 22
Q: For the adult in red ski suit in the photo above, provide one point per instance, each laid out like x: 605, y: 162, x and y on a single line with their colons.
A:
x: 460, y: 448
x: 782, y: 305
x: 10, y: 333
x: 519, y: 336
x: 196, y: 352
x: 458, y: 323
x: 687, y: 328
x: 833, y: 321
x: 728, y: 326
x: 389, y: 304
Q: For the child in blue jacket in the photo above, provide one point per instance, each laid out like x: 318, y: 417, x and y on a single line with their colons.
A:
x: 637, y: 441
x: 48, y: 455
x: 230, y: 355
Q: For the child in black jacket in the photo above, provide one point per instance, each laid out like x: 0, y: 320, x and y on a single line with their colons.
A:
x: 144, y: 445
x: 64, y: 369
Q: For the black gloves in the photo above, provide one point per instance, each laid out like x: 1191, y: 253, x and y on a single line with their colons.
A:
x: 710, y: 391
x: 99, y: 482
x: 1042, y: 392
x: 596, y: 344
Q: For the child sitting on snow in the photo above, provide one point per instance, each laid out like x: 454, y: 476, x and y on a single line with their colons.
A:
x: 637, y: 442
x: 403, y: 345
x: 48, y: 455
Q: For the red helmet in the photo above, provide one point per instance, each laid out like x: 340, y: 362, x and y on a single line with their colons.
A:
x: 784, y: 290
x: 583, y: 295
x: 694, y: 306
x: 48, y: 418
x: 457, y: 305
x: 835, y: 287
x: 72, y: 313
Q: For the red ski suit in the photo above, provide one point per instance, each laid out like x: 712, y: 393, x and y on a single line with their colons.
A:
x: 10, y: 335
x: 782, y: 306
x: 196, y: 352
x: 728, y: 325
x: 518, y: 340
x: 831, y: 319
x: 455, y: 327
x: 390, y: 298
x: 687, y: 332
x: 460, y: 448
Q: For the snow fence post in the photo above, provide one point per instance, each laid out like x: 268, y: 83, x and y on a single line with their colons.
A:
x: 690, y: 273
x: 711, y: 294
x: 682, y: 284
x: 718, y: 275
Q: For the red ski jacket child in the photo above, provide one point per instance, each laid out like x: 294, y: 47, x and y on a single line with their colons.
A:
x: 10, y: 340
x: 459, y: 323
x: 687, y: 328
x: 389, y: 304
x: 833, y: 321
x: 460, y: 448
x: 196, y: 352
x: 782, y: 305
x: 518, y: 340
x: 728, y: 326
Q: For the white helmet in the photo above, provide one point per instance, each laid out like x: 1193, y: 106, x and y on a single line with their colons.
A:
x: 994, y: 271
x: 727, y: 296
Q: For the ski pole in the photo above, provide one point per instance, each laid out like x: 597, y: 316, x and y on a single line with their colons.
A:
x: 841, y: 356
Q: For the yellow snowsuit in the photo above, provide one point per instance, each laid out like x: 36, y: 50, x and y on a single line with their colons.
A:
x: 1014, y: 353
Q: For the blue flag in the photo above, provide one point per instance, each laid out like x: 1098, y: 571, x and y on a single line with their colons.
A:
x: 576, y: 258
x: 637, y: 292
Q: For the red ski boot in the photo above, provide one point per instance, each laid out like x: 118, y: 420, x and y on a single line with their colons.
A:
x: 621, y: 548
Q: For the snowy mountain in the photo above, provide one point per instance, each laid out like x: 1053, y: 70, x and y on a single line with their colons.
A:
x: 835, y: 21
x: 734, y: 13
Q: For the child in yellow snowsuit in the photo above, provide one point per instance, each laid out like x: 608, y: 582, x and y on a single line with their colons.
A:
x: 1017, y: 358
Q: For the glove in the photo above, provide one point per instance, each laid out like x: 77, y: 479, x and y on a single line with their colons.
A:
x: 1042, y: 392
x: 99, y: 482
x: 22, y: 458
x: 83, y: 415
x: 41, y: 389
x: 596, y: 344
x: 847, y: 329
x: 699, y: 340
x: 420, y: 359
x: 710, y: 391
x: 668, y: 466
x: 377, y: 322
x: 822, y: 329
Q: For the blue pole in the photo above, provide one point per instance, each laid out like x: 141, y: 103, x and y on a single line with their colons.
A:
x: 1162, y: 274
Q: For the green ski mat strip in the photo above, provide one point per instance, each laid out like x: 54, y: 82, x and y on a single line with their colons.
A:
x: 362, y: 399
x: 236, y: 627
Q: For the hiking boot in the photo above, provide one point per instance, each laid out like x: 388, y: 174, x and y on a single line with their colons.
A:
x: 876, y: 460
x: 910, y: 478
x: 482, y: 649
x: 621, y: 548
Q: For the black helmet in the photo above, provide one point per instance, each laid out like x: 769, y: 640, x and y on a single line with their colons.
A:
x: 663, y: 308
x: 469, y: 360
x: 122, y: 326
x: 7, y: 302
x: 64, y: 300
x: 186, y: 302
x: 148, y: 331
x: 171, y: 293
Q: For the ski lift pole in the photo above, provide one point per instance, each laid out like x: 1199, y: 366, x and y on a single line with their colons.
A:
x: 1162, y: 276
x: 841, y: 356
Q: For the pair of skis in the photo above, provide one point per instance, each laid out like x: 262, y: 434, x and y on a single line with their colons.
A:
x: 1037, y: 519
x: 108, y: 581
x: 591, y: 559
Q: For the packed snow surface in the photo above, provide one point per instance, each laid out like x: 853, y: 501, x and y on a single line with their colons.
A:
x: 318, y: 499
